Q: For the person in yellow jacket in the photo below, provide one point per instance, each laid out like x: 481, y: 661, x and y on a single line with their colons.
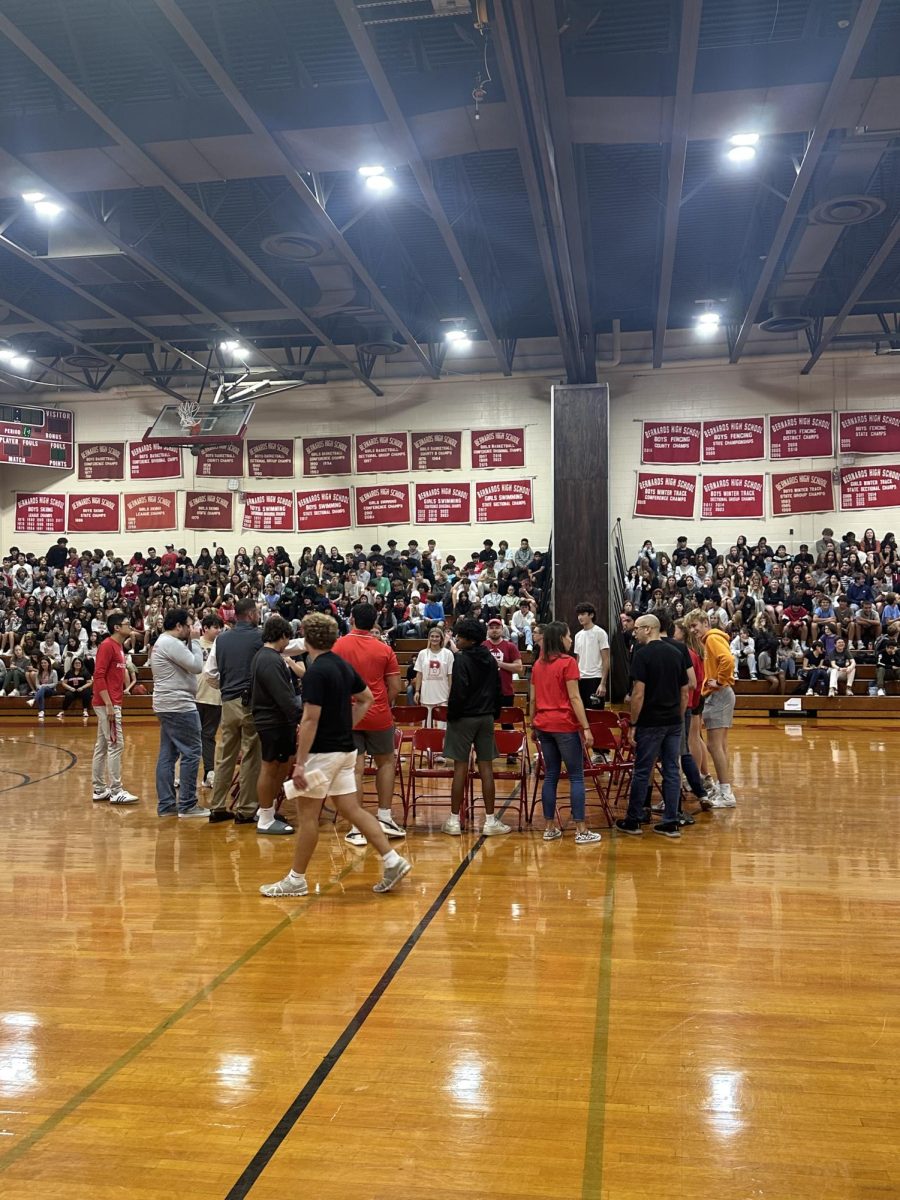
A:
x: 718, y: 706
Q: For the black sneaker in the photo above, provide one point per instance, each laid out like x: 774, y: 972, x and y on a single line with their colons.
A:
x: 245, y: 819
x: 630, y: 826
x: 685, y: 819
x: 220, y: 814
x: 668, y: 829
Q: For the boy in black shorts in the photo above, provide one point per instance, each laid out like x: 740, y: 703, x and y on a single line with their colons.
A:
x: 276, y: 714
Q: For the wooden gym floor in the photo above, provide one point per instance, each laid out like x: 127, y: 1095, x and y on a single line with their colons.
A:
x: 710, y: 1018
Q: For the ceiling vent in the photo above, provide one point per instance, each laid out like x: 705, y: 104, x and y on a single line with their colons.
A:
x: 379, y: 339
x: 846, y: 210
x: 787, y: 317
x: 85, y: 362
x: 296, y: 247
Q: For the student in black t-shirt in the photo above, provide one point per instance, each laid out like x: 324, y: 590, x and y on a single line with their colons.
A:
x: 335, y: 699
x: 76, y: 686
x: 659, y: 696
x: 276, y: 714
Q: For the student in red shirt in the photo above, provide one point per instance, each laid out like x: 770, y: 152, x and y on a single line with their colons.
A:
x: 558, y: 716
x: 109, y: 686
x: 509, y: 663
x: 377, y: 664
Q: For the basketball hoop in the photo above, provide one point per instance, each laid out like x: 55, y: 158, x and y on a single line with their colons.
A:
x: 189, y: 416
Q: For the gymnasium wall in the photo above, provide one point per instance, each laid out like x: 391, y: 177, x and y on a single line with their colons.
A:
x: 449, y: 404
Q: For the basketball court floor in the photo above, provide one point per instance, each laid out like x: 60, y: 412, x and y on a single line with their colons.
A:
x: 714, y: 1017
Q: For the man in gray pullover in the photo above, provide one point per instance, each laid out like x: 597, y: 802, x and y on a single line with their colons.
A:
x: 176, y: 665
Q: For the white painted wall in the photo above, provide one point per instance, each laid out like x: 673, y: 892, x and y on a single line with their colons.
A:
x: 466, y: 403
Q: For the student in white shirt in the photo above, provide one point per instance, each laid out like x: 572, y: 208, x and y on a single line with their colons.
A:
x: 521, y: 625
x: 591, y: 648
x: 434, y: 669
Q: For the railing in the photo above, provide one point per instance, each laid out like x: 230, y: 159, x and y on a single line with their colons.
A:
x: 618, y: 571
x: 545, y: 608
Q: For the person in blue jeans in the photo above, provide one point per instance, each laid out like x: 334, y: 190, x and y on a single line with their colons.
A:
x: 560, y: 722
x: 46, y: 680
x: 176, y: 663
x: 659, y: 696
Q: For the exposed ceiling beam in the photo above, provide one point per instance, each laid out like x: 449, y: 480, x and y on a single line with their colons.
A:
x: 320, y: 217
x: 856, y: 40
x: 409, y: 148
x: 30, y: 179
x: 874, y: 265
x: 536, y: 155
x: 149, y: 168
x: 63, y: 334
x: 681, y: 122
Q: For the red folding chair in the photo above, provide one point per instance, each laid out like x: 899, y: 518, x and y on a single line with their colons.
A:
x: 409, y: 716
x: 510, y: 743
x: 370, y: 770
x: 439, y: 713
x: 602, y: 716
x: 427, y: 745
x: 596, y: 773
x: 516, y: 717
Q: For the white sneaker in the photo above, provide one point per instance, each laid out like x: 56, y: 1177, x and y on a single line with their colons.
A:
x: 30, y: 702
x: 40, y: 716
x: 860, y: 646
x: 494, y: 827
x: 725, y: 797
x: 285, y: 887
x: 355, y: 838
x: 210, y: 780
x: 391, y: 829
x: 122, y: 797
x: 881, y: 692
x: 392, y: 875
x: 101, y: 794
x: 832, y: 692
x: 452, y: 826
x: 552, y: 833
x: 588, y: 838
x: 809, y: 691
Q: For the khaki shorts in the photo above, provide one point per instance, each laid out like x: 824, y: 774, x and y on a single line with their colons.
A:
x: 339, y: 769
x: 718, y: 711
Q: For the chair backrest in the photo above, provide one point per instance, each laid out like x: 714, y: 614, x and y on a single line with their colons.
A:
x: 512, y: 716
x: 439, y: 712
x: 604, y: 738
x: 409, y: 714
x: 509, y: 741
x: 602, y: 716
x: 428, y: 739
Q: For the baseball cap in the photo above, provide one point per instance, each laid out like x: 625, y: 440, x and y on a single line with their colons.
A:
x: 495, y: 621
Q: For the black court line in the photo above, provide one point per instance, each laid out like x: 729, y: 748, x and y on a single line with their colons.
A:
x: 301, y: 1102
x: 27, y: 781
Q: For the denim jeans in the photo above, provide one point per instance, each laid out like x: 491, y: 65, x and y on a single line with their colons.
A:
x: 654, y: 742
x: 559, y: 748
x: 179, y: 737
x: 40, y: 696
x: 688, y: 765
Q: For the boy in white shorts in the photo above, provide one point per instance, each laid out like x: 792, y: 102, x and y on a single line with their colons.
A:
x: 335, y: 698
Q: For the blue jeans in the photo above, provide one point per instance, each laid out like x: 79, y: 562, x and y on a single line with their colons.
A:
x: 690, y: 768
x: 559, y: 748
x: 652, y: 742
x: 179, y: 737
x: 40, y: 696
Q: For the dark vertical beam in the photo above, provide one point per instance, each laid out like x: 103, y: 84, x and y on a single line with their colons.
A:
x: 681, y: 123
x: 856, y: 40
x: 579, y: 416
x: 874, y: 265
x: 251, y: 118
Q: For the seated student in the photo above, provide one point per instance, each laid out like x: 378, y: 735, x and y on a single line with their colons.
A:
x: 887, y: 666
x: 794, y: 619
x: 868, y: 625
x: 842, y: 665
x: 788, y: 656
x: 76, y: 688
x: 823, y: 615
x: 744, y: 650
x: 815, y: 669
x: 767, y: 662
x: 890, y: 610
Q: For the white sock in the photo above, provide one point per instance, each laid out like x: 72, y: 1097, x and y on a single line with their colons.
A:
x: 391, y: 858
x: 385, y: 814
x: 490, y: 818
x: 296, y: 877
x: 266, y: 817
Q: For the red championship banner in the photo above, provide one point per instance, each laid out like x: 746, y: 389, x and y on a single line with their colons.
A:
x: 382, y: 452
x: 383, y: 504
x: 869, y: 432
x: 327, y: 456
x: 510, y: 500
x: 670, y: 442
x: 270, y: 458
x: 93, y: 514
x: 735, y: 440
x: 665, y: 495
x: 150, y: 510
x: 327, y: 508
x: 269, y: 511
x: 498, y: 447
x: 801, y: 435
x: 101, y: 460
x: 222, y: 461
x: 209, y: 510
x: 150, y: 460
x: 40, y: 514
x: 870, y: 487
x: 732, y: 496
x: 448, y: 503
x: 437, y: 451
x: 802, y: 492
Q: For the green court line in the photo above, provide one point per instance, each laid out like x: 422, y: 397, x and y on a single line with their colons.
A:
x: 71, y: 1105
x: 595, y: 1136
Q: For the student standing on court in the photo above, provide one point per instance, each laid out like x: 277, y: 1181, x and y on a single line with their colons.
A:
x: 473, y: 707
x: 434, y: 669
x: 109, y: 687
x: 334, y: 696
x: 377, y: 664
x: 228, y: 666
x: 276, y: 714
x: 209, y: 699
x: 659, y: 697
x: 718, y: 707
x: 561, y: 722
x: 592, y: 653
x: 176, y: 663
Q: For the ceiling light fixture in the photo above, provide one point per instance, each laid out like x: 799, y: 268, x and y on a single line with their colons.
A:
x: 48, y: 210
x: 19, y: 362
x: 741, y: 154
x: 744, y: 139
x: 33, y: 197
x: 370, y: 170
x: 230, y: 346
x: 379, y: 183
x: 457, y: 337
x: 7, y: 354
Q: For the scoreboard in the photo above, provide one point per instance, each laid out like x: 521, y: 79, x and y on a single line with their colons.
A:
x: 36, y: 437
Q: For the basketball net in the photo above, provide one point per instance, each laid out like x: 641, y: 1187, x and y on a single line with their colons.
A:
x: 189, y: 416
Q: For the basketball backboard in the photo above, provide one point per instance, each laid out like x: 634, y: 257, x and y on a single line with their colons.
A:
x: 199, y: 425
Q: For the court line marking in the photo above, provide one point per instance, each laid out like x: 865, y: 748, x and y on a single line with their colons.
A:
x: 302, y: 1100
x: 595, y: 1133
x: 27, y: 781
x: 74, y: 1102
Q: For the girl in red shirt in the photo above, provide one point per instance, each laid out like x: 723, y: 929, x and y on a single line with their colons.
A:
x: 560, y: 722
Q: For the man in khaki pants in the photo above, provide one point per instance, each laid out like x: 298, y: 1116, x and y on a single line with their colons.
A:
x: 228, y: 668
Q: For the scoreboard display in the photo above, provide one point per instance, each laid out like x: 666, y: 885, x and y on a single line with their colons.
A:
x: 36, y: 437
